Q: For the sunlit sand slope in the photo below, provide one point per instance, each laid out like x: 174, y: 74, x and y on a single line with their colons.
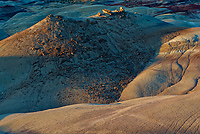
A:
x: 160, y: 114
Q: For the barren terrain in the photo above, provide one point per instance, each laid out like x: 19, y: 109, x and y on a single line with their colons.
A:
x: 80, y: 71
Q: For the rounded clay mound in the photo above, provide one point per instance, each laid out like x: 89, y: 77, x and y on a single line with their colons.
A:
x: 68, y: 61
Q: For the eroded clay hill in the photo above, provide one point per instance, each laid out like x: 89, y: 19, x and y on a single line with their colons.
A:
x: 59, y: 62
x: 175, y: 72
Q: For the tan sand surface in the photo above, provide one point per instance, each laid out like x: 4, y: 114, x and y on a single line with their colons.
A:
x: 161, y: 114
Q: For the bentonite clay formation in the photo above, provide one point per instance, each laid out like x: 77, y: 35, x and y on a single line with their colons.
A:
x: 76, y: 61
